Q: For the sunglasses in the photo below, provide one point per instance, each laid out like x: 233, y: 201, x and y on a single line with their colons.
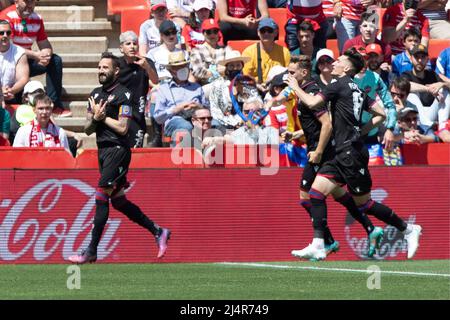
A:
x: 24, y: 25
x: 170, y: 33
x: 5, y: 33
x: 212, y: 31
x: 266, y: 30
x: 325, y: 60
x: 410, y: 119
x: 204, y: 118
x: 400, y: 95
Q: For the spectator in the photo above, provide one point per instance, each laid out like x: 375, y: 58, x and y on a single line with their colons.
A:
x: 368, y: 34
x: 348, y: 17
x: 299, y: 12
x: 271, y: 53
x: 204, y: 57
x: 159, y: 55
x: 149, y: 36
x: 277, y: 117
x: 399, y: 18
x: 180, y: 10
x: 27, y: 27
x: 177, y: 98
x: 402, y: 61
x: 135, y: 73
x: 305, y: 36
x: 428, y: 92
x: 328, y: 10
x: 202, y: 133
x: 438, y: 18
x: 238, y: 18
x: 220, y: 97
x: 192, y: 31
x: 324, y: 67
x: 408, y: 130
x: 443, y: 65
x: 41, y: 131
x: 376, y: 61
x: 14, y: 66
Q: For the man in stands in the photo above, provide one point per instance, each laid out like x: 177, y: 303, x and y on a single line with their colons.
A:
x: 271, y: 53
x: 14, y: 66
x: 238, y: 18
x: 27, y: 27
x: 435, y: 11
x: 401, y: 17
x: 41, y: 132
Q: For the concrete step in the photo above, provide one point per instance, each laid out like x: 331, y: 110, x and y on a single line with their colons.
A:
x: 78, y: 108
x: 80, y: 60
x: 74, y: 76
x: 66, y: 13
x: 80, y: 28
x: 74, y: 45
x: 99, y: 5
x: 77, y: 92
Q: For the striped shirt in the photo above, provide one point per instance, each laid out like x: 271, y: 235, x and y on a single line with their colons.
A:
x: 352, y: 9
x: 392, y: 18
x: 327, y: 6
x: 33, y: 25
x: 305, y: 9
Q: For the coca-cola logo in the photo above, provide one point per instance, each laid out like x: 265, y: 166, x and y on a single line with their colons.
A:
x: 53, y: 216
x: 393, y: 241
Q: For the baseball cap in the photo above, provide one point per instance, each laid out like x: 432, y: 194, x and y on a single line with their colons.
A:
x: 200, y: 4
x: 274, y: 71
x: 374, y: 48
x: 155, y: 4
x: 322, y: 53
x: 279, y: 79
x: 32, y: 86
x: 267, y: 23
x: 167, y: 25
x: 403, y: 112
x: 419, y: 49
x: 209, y: 24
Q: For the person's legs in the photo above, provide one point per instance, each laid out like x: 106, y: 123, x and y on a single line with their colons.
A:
x: 291, y: 39
x: 345, y: 29
x: 320, y: 37
x: 427, y: 114
x: 439, y: 29
x: 175, y: 127
x: 54, y: 80
x: 331, y: 32
x: 231, y: 31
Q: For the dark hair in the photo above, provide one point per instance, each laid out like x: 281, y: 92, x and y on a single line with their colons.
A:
x: 114, y: 59
x: 41, y: 97
x: 402, y: 83
x: 305, y: 26
x: 198, y: 109
x: 356, y: 59
x: 2, y: 21
x: 412, y: 32
x: 192, y: 21
x: 303, y: 61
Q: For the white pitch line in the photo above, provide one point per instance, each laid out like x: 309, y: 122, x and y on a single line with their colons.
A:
x: 276, y: 266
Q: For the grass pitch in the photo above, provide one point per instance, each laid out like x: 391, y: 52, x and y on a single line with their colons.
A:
x: 242, y: 281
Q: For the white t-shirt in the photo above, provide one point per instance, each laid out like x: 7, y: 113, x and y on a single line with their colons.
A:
x: 185, y: 5
x: 22, y: 138
x: 160, y: 56
x: 8, y: 62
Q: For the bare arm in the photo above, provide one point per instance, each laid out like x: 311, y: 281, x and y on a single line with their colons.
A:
x: 119, y: 126
x: 378, y: 117
x: 22, y: 74
x: 310, y: 101
x: 263, y: 9
x: 222, y: 8
x: 90, y: 125
x: 325, y: 134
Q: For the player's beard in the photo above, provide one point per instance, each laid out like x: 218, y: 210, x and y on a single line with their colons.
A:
x: 106, y: 78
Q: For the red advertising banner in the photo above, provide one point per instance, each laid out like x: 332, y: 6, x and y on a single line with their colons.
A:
x: 214, y: 214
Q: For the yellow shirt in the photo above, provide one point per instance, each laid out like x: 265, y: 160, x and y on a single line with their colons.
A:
x: 278, y: 56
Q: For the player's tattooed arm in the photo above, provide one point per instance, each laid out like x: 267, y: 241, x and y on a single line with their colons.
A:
x: 119, y: 126
x: 378, y: 117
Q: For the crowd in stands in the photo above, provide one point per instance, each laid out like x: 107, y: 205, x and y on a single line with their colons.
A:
x: 185, y: 75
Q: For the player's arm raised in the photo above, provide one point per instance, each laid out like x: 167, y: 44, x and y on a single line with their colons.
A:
x: 121, y: 125
x: 96, y: 113
x: 310, y: 101
x: 378, y: 117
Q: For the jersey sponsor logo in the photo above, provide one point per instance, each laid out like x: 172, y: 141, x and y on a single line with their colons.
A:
x: 304, y: 182
x: 362, y: 171
x: 125, y: 110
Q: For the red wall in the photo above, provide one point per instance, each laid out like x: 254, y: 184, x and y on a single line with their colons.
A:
x: 215, y: 215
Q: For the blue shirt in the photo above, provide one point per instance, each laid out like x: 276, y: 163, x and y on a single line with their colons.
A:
x: 402, y: 63
x: 170, y: 94
x: 443, y: 63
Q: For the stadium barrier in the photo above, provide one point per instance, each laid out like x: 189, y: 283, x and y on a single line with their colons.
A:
x: 215, y: 214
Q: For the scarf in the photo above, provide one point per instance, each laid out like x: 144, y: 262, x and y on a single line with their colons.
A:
x: 51, y: 136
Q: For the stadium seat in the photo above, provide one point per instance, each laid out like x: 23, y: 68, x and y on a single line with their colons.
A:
x: 333, y: 46
x: 279, y: 15
x: 132, y: 19
x: 240, y: 45
x: 11, y: 108
x: 435, y: 47
x: 118, y: 6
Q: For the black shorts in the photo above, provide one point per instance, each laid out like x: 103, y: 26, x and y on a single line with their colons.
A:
x: 311, y: 169
x: 113, y: 164
x: 350, y: 167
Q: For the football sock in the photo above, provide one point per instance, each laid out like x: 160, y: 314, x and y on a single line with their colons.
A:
x: 135, y: 214
x: 318, y: 213
x: 100, y: 219
x: 347, y: 201
x: 328, y: 237
x: 386, y: 214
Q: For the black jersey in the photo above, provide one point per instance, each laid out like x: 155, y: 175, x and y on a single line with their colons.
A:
x: 119, y: 104
x: 309, y: 117
x: 347, y: 103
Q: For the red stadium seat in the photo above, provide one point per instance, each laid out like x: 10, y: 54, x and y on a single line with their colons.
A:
x: 279, y: 15
x: 435, y: 47
x: 132, y: 19
x: 240, y: 45
x: 333, y: 46
x: 118, y: 6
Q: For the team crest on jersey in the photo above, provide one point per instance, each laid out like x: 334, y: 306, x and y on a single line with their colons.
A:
x: 111, y: 98
x: 128, y: 95
x: 125, y: 110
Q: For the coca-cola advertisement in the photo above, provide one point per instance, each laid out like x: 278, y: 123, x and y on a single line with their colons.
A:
x: 215, y: 215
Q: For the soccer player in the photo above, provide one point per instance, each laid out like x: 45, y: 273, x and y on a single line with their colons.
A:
x: 109, y: 115
x: 350, y: 164
x: 317, y: 129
